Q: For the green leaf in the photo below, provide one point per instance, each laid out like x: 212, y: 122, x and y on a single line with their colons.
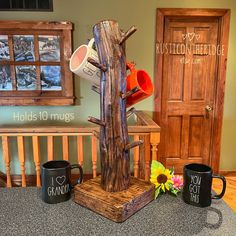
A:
x: 170, y: 185
x: 157, y: 192
x: 172, y: 170
x: 157, y: 165
x: 174, y: 191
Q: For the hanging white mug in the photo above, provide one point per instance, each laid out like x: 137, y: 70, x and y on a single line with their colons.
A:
x: 81, y: 67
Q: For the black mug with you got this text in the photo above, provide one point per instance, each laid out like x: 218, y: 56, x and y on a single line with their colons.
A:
x: 56, y: 183
x: 198, y: 183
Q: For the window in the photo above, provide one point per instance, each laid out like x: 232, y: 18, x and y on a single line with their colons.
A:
x: 26, y: 5
x: 34, y: 66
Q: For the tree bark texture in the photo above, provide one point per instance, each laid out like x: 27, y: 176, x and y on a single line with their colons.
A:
x: 115, y: 156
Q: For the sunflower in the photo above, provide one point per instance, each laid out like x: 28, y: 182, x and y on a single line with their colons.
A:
x: 161, y: 177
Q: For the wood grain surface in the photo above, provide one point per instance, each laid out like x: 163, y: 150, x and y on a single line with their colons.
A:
x: 114, y: 139
x: 116, y: 206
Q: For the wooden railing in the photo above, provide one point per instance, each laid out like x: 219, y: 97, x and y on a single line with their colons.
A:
x: 145, y: 129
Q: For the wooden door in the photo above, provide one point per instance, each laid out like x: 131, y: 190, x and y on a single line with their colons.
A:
x: 190, y: 50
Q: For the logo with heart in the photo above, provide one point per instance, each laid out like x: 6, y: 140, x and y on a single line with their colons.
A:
x: 190, y: 36
x: 197, y: 36
x: 184, y: 36
x: 61, y: 179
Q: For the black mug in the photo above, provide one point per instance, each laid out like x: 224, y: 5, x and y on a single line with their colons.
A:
x: 197, y: 185
x: 56, y: 183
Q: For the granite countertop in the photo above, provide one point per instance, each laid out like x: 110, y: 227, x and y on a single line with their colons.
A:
x: 22, y: 212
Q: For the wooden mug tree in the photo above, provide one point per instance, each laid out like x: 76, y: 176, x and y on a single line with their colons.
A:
x: 113, y: 138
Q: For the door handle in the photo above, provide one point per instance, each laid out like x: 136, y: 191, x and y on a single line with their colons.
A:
x: 208, y: 109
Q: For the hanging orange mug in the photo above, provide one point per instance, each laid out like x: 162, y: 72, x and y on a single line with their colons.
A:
x: 140, y: 79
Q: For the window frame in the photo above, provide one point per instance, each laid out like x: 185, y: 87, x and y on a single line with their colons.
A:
x: 38, y: 96
x: 49, y: 9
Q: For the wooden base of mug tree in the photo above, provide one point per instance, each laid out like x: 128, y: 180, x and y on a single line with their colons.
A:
x: 116, y: 206
x: 115, y: 195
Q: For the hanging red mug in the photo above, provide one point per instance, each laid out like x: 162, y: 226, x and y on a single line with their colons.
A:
x: 140, y: 79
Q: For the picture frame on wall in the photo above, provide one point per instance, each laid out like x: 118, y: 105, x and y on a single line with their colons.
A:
x: 4, y: 48
x: 49, y: 47
x: 23, y: 47
x: 5, y: 78
x: 34, y: 63
x: 50, y: 77
x: 26, y: 77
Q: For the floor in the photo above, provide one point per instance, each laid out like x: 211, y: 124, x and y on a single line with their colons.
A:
x: 230, y: 194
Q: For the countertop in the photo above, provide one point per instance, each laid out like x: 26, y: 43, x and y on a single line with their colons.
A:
x: 22, y: 212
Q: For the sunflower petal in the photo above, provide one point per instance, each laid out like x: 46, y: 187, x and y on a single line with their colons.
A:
x: 163, y: 187
x: 170, y: 181
x: 168, y: 174
x: 167, y: 186
x: 155, y: 183
x: 159, y: 171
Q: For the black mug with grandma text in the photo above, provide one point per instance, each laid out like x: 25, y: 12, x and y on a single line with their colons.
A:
x: 198, y: 183
x: 56, y: 183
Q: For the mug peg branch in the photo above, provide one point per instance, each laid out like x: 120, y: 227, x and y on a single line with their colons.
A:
x: 96, y: 134
x: 133, y: 63
x: 96, y: 121
x: 96, y: 89
x: 129, y: 93
x: 96, y: 64
x: 130, y: 112
x: 127, y: 34
x: 133, y: 144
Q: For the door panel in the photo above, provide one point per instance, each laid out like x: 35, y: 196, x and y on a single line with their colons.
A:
x: 174, y: 136
x: 188, y: 86
x: 175, y: 86
x: 196, y: 136
x: 198, y: 78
